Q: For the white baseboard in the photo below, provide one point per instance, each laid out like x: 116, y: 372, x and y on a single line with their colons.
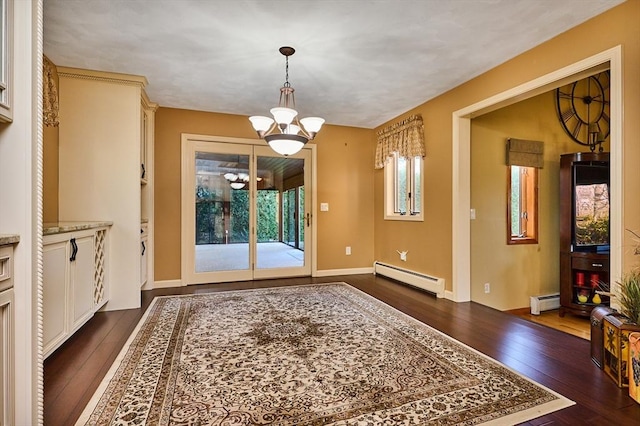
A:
x: 448, y: 295
x: 163, y: 284
x: 351, y: 271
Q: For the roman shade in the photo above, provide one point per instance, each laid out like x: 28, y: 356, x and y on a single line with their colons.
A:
x: 525, y: 153
x: 406, y: 138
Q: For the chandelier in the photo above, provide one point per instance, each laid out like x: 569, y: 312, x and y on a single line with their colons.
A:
x: 284, y: 133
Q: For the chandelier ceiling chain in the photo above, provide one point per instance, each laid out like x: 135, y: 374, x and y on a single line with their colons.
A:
x: 284, y: 133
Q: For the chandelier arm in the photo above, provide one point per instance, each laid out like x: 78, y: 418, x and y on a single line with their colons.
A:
x: 263, y: 133
x: 304, y: 132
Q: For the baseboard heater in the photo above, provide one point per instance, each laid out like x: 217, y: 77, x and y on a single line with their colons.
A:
x: 547, y: 302
x: 425, y: 282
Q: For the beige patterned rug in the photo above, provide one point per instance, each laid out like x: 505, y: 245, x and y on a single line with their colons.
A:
x: 305, y: 355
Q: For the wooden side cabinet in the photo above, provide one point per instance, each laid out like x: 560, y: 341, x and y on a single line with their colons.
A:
x: 584, y: 232
x: 582, y: 274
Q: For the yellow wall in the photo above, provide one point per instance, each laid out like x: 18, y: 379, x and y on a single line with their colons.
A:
x: 345, y: 173
x: 429, y: 243
x: 515, y: 272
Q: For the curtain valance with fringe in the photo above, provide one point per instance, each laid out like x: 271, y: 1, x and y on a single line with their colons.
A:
x: 406, y: 138
x: 50, y: 94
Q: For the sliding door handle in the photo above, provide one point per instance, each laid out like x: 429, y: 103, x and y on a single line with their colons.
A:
x: 308, y: 218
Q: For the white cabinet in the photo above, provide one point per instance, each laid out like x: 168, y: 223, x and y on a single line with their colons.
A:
x: 144, y: 257
x: 7, y: 364
x: 6, y: 60
x: 147, y: 124
x: 55, y: 257
x: 74, y: 284
x: 105, y: 136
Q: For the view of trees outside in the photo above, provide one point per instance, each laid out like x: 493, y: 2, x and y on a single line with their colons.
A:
x: 515, y: 201
x: 301, y: 217
x: 210, y: 216
x: 401, y: 191
x: 268, y: 213
x: 288, y: 216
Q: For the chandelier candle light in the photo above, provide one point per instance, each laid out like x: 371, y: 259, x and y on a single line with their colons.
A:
x: 284, y: 133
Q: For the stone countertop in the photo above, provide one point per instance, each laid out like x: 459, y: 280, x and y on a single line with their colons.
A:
x: 61, y: 227
x: 6, y: 239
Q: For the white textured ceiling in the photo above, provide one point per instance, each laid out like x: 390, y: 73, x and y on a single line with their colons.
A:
x: 357, y: 63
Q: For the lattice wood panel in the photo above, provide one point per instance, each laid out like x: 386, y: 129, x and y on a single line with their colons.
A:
x: 99, y: 270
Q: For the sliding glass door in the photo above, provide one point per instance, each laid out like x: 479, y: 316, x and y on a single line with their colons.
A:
x: 244, y: 212
x: 280, y: 214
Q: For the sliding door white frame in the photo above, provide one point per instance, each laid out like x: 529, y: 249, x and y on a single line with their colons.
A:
x: 189, y: 145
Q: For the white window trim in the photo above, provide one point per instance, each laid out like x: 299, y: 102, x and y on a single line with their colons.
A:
x: 389, y: 192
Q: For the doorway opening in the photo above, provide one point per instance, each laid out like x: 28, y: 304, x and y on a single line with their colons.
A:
x: 461, y: 188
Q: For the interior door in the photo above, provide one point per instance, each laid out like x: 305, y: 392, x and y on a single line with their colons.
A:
x: 245, y: 215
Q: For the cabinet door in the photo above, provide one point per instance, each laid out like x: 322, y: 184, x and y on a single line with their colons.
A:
x: 7, y: 349
x: 81, y: 282
x: 143, y: 261
x: 55, y: 279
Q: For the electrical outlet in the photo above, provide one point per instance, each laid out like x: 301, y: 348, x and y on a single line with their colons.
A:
x: 487, y: 288
x: 348, y: 251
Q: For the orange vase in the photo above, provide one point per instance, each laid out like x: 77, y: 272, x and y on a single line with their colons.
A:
x: 634, y: 366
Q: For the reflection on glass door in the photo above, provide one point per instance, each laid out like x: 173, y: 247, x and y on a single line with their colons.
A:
x: 221, y: 212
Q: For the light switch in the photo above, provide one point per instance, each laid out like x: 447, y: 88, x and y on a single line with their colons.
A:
x: 472, y: 213
x: 324, y: 207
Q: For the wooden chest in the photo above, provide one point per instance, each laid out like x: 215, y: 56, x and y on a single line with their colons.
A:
x: 597, y: 338
x: 616, y: 329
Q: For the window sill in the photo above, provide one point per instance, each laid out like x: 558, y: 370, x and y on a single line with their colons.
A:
x: 405, y: 218
x: 517, y: 241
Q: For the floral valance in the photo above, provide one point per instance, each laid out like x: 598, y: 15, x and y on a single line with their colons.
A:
x: 406, y: 138
x: 49, y: 94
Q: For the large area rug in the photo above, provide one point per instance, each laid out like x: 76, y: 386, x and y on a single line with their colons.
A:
x: 304, y: 355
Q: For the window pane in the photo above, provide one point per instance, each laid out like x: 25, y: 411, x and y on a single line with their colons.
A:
x: 301, y: 217
x: 515, y: 201
x: 522, y: 216
x: 416, y: 200
x: 401, y: 184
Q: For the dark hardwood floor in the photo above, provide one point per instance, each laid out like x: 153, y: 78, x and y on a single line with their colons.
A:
x: 557, y: 360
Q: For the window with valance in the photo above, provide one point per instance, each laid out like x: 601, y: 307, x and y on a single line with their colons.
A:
x: 405, y: 138
x: 400, y: 151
